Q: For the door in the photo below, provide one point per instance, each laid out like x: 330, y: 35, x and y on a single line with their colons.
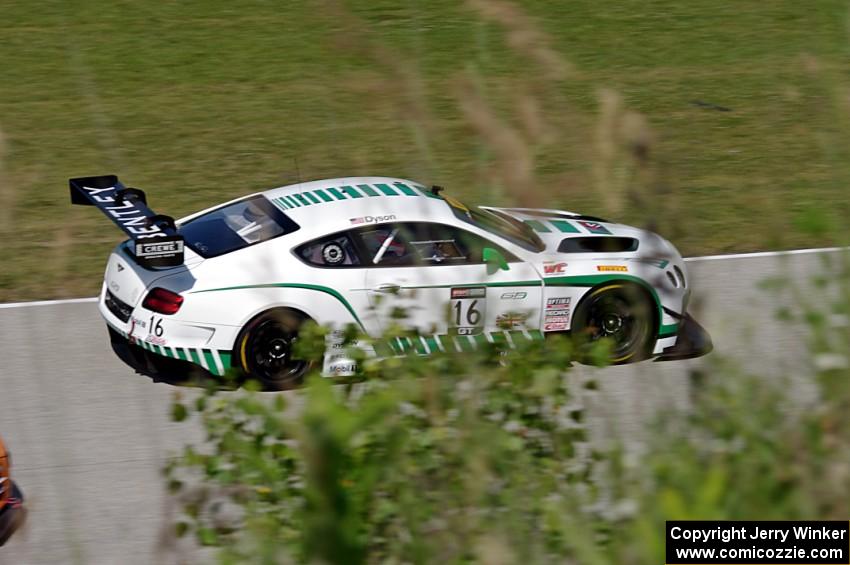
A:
x: 433, y: 278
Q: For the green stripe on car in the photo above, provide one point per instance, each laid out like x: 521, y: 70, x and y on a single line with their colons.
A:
x: 405, y: 189
x: 368, y: 189
x: 323, y: 195
x: 564, y: 226
x: 668, y: 330
x: 537, y: 226
x: 315, y: 287
x: 386, y: 189
x: 432, y: 344
x: 208, y: 356
x: 349, y: 190
x: 336, y: 194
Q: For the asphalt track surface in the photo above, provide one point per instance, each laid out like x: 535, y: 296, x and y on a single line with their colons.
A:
x: 89, y: 437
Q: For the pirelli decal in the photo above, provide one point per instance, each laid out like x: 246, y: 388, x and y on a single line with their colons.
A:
x: 351, y: 192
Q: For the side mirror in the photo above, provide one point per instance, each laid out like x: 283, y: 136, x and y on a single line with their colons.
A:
x: 494, y: 260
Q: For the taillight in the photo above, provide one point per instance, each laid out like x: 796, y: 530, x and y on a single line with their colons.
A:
x: 163, y: 301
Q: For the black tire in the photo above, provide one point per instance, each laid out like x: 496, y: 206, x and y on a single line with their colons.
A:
x: 621, y: 312
x: 264, y: 350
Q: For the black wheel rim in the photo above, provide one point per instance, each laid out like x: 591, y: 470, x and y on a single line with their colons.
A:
x: 613, y: 316
x: 270, y: 353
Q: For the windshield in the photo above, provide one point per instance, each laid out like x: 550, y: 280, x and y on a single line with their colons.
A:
x: 235, y: 226
x: 499, y: 224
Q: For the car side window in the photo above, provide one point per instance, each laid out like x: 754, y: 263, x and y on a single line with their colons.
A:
x: 386, y: 246
x: 423, y: 244
x: 333, y: 251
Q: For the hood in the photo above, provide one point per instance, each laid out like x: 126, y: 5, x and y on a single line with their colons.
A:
x: 587, y: 233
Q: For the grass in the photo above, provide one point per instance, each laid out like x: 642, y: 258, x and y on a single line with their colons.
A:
x: 197, y: 102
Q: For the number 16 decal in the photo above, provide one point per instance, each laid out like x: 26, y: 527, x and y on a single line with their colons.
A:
x: 468, y: 308
x: 156, y: 326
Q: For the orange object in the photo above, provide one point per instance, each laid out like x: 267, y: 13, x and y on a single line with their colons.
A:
x: 5, y: 478
x: 12, y: 512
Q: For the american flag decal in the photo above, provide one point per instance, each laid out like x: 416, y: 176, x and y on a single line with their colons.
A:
x: 594, y: 227
x: 355, y: 221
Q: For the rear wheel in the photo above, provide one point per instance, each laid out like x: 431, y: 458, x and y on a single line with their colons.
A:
x: 266, y: 350
x: 622, y: 313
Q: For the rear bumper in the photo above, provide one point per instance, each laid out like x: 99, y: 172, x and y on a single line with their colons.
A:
x: 158, y: 368
x: 691, y: 341
x: 12, y: 514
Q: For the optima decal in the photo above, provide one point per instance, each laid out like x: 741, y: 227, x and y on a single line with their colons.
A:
x: 560, y: 302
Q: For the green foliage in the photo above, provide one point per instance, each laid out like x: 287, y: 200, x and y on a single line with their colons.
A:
x: 430, y: 459
x: 483, y: 457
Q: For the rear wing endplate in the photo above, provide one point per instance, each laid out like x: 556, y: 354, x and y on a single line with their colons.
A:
x: 156, y: 242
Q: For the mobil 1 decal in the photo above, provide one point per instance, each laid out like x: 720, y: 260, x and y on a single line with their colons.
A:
x: 556, y: 317
x: 467, y: 309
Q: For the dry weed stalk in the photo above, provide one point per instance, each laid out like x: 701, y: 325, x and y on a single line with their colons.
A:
x: 6, y: 192
x: 524, y: 36
x: 622, y: 169
x: 516, y: 142
x: 514, y: 168
x: 403, y: 85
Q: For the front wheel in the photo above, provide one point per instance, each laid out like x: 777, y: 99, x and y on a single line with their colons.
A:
x: 265, y: 349
x: 620, y: 313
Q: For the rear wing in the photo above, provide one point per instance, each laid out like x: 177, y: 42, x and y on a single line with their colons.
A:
x: 156, y: 242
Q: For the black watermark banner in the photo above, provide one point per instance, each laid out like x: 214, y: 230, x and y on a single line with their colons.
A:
x: 694, y: 542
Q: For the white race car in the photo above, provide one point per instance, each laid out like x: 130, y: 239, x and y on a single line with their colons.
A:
x: 225, y: 291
